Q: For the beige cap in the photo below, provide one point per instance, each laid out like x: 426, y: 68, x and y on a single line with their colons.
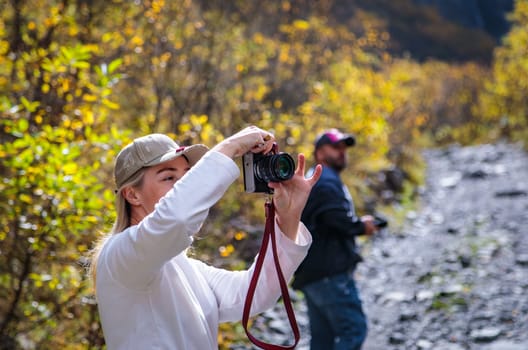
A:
x: 150, y: 150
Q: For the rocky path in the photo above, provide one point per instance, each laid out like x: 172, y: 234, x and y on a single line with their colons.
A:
x: 456, y: 276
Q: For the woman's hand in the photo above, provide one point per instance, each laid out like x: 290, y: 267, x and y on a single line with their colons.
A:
x: 250, y: 139
x: 290, y: 197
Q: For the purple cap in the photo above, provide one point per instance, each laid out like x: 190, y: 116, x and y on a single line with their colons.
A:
x: 333, y: 137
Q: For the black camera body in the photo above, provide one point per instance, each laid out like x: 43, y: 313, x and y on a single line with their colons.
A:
x: 380, y: 222
x: 259, y: 169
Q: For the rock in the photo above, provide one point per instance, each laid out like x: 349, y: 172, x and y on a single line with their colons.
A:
x: 448, y: 346
x: 511, y: 193
x: 408, y: 314
x: 398, y: 296
x: 451, y: 180
x: 522, y: 259
x: 397, y: 338
x: 485, y: 335
x: 506, y: 345
x: 425, y: 295
x: 476, y: 174
x: 424, y: 344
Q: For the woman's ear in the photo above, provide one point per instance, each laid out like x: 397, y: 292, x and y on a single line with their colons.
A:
x: 131, y: 195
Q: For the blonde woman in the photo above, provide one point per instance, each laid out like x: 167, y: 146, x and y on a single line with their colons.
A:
x: 150, y: 294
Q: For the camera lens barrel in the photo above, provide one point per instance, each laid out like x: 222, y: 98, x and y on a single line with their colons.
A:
x: 274, y: 168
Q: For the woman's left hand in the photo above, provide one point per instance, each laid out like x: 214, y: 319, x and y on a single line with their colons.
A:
x: 290, y: 197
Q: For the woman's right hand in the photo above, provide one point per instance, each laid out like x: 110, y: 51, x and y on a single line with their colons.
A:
x: 250, y: 139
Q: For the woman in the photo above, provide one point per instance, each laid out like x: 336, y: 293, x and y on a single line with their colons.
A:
x: 150, y: 294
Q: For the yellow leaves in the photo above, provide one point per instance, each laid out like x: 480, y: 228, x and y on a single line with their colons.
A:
x: 73, y: 31
x: 261, y: 91
x: 4, y: 47
x: 198, y: 120
x: 50, y: 22
x: 258, y: 38
x: 301, y: 25
x: 333, y: 96
x: 240, y: 235
x: 22, y: 125
x: 91, y: 219
x: 284, y: 54
x: 110, y: 104
x: 502, y: 102
x: 136, y: 41
x: 25, y: 198
x: 111, y: 36
x: 88, y: 117
x: 165, y: 57
x: 70, y: 168
x: 178, y: 44
x: 162, y: 60
x: 89, y: 98
x: 184, y: 128
x: 226, y: 250
x: 157, y: 6
x: 296, y: 132
x: 81, y: 248
x: 30, y: 106
x: 65, y: 85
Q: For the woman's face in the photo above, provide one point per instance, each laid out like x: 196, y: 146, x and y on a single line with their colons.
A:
x: 158, y: 180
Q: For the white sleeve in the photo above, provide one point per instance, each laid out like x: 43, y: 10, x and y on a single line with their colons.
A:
x: 134, y: 256
x: 231, y: 287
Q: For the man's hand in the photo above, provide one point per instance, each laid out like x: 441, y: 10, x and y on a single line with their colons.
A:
x: 370, y: 227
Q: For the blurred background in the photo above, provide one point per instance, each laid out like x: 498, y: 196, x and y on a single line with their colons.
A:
x: 79, y: 79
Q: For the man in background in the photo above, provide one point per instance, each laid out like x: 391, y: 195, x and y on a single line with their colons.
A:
x: 337, y: 320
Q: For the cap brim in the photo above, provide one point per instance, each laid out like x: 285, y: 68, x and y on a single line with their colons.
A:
x: 349, y: 140
x: 192, y: 153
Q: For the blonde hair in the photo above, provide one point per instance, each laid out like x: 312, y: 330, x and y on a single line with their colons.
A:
x: 121, y: 223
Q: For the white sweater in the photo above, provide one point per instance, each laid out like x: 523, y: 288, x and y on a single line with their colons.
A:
x: 152, y: 296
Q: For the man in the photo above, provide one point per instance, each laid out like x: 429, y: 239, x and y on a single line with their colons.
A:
x: 337, y: 320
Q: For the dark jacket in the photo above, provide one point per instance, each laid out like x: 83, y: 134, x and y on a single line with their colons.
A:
x: 329, y: 215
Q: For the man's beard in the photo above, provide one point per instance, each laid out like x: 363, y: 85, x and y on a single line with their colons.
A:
x: 338, y: 164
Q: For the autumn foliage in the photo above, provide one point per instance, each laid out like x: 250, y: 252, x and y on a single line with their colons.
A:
x: 79, y: 79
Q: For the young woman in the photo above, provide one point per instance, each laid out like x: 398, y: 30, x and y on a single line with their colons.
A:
x: 150, y: 294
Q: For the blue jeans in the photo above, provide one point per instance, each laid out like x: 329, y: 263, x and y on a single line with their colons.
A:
x: 337, y: 320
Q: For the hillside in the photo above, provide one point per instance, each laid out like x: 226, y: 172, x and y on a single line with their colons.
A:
x: 449, y: 30
x: 455, y: 30
x: 486, y: 15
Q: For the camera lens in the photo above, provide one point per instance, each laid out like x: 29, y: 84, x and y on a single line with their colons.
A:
x: 275, y: 168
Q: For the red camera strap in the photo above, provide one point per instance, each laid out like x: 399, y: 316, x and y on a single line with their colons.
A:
x: 269, y: 234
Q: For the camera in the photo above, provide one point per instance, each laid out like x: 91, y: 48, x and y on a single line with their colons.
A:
x: 259, y: 169
x: 380, y: 222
